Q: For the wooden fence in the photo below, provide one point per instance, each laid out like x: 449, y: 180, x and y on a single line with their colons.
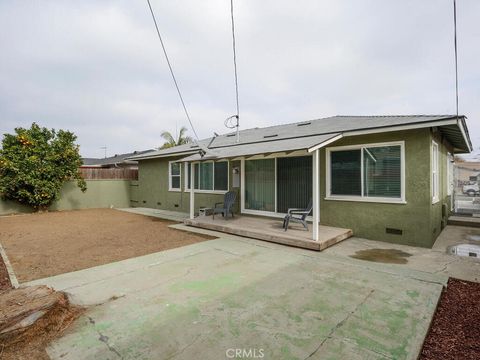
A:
x: 109, y: 173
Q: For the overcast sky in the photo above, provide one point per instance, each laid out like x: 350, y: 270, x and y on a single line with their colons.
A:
x: 97, y: 68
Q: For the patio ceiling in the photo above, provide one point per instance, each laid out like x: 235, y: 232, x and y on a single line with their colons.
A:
x: 308, y: 143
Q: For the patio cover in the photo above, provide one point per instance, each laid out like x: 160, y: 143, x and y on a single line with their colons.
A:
x: 308, y: 143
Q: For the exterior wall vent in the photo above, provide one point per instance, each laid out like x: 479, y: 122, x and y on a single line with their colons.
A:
x: 230, y: 135
x: 304, y: 124
x: 270, y: 136
x: 394, y: 231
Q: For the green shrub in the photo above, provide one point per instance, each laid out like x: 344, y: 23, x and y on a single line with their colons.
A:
x: 35, y: 163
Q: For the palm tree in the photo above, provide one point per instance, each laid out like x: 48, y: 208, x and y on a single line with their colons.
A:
x: 170, y: 140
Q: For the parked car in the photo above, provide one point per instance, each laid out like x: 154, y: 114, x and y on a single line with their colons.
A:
x: 471, y: 189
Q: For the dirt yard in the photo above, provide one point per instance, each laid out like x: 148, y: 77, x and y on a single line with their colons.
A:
x: 42, y: 245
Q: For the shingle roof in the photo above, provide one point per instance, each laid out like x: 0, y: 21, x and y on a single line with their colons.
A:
x: 307, y: 129
x: 118, y: 158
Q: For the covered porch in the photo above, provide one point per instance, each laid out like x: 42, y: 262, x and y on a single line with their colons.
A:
x: 270, y: 229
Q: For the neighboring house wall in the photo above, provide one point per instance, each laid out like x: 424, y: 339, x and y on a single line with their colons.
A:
x: 419, y: 220
x: 99, y: 194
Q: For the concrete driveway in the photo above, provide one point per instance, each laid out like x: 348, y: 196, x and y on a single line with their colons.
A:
x: 235, y: 297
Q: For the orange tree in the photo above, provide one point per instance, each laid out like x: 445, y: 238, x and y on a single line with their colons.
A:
x: 35, y: 163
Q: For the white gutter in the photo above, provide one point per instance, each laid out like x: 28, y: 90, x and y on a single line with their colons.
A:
x: 460, y: 124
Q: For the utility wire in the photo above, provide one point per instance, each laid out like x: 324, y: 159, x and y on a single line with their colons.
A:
x: 171, y: 71
x: 455, y: 45
x: 234, y: 57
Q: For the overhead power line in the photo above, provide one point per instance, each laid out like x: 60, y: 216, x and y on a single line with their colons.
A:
x: 234, y: 57
x: 228, y: 122
x: 171, y: 71
x: 455, y: 46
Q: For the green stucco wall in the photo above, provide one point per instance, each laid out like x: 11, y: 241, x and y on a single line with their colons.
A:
x: 419, y: 220
x: 153, y: 190
x: 99, y: 194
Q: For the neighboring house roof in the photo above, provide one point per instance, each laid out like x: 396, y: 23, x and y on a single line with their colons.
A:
x: 113, y: 160
x: 309, y: 135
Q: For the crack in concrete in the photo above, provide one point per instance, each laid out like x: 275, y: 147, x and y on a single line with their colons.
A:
x: 446, y: 266
x: 388, y: 356
x: 228, y: 252
x: 104, y: 339
x: 340, y: 324
x: 386, y: 271
x: 129, y: 271
x: 179, y: 352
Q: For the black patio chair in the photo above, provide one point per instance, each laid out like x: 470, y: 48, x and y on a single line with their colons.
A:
x: 298, y: 216
x: 226, y: 206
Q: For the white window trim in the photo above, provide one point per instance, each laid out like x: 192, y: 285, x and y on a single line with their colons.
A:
x: 450, y: 184
x: 362, y: 198
x: 170, y: 188
x: 198, y: 191
x: 435, y: 178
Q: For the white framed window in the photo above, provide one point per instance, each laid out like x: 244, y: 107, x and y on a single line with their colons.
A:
x: 174, y: 176
x: 450, y: 183
x: 209, y: 176
x: 366, y: 172
x: 435, y: 174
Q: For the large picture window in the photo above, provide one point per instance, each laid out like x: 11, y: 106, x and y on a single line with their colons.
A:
x: 209, y: 176
x: 366, y: 172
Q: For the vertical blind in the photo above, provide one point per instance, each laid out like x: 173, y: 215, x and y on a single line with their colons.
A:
x: 294, y: 182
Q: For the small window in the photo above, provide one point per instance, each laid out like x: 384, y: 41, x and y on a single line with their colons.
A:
x: 435, y: 175
x: 174, y: 176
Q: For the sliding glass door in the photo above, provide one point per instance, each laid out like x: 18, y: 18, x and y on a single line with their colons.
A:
x: 275, y: 185
x: 260, y: 185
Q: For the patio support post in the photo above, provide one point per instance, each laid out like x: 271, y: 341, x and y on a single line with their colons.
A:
x: 192, y: 194
x: 316, y: 193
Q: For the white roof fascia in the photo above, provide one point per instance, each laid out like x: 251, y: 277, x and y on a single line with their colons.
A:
x: 460, y: 124
x: 172, y: 154
x: 400, y: 127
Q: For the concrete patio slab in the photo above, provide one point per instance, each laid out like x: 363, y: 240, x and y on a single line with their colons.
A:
x: 158, y: 213
x: 201, y: 300
x: 271, y: 230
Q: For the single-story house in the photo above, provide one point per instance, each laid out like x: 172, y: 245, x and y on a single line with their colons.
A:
x: 387, y: 178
